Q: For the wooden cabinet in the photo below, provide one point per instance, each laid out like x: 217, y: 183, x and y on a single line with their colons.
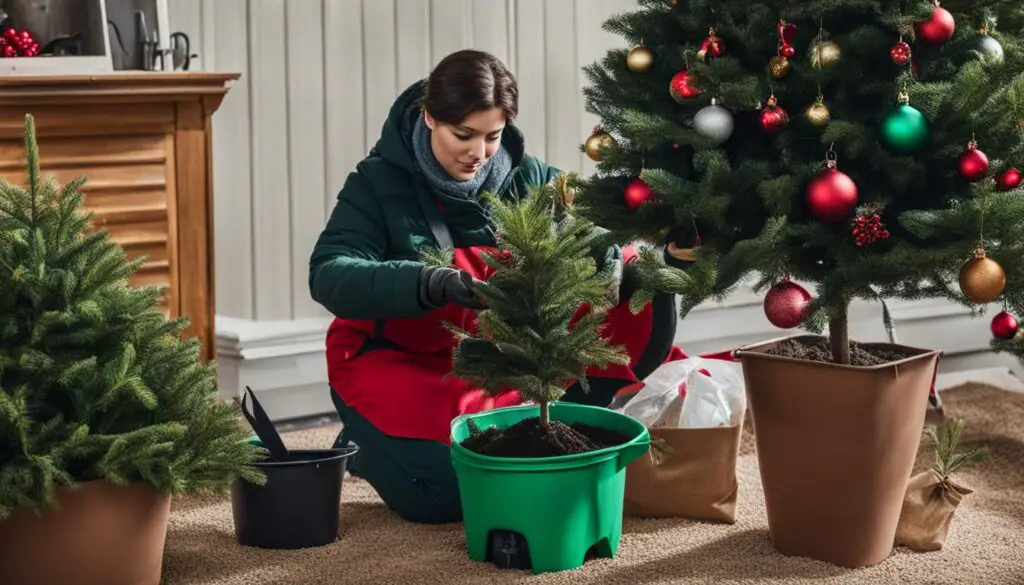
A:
x: 143, y: 142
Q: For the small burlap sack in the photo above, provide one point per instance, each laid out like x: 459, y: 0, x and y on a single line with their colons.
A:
x: 932, y: 497
x: 928, y: 511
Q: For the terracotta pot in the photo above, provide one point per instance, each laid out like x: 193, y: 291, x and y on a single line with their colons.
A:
x: 836, y: 446
x: 102, y: 535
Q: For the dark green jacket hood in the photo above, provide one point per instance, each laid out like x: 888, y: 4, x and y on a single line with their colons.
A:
x: 395, y: 142
x: 366, y: 263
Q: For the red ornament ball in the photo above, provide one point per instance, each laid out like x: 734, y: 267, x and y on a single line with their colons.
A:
x: 773, y: 117
x: 900, y: 53
x: 637, y: 194
x: 786, y: 304
x: 938, y: 29
x: 973, y: 164
x: 1004, y: 326
x: 787, y: 50
x: 681, y: 88
x: 1009, y: 180
x: 9, y: 51
x: 831, y: 196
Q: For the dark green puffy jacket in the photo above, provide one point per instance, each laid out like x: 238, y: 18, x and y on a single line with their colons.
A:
x: 365, y: 264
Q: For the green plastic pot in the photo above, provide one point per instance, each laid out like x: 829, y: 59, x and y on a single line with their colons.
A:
x: 563, y: 506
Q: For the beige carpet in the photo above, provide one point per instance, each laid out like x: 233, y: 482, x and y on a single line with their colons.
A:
x: 985, y: 545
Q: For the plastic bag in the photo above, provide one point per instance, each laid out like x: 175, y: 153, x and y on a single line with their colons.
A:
x: 691, y: 393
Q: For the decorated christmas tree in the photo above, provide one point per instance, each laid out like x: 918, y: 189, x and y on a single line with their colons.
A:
x: 545, y: 304
x: 95, y: 384
x: 870, y: 148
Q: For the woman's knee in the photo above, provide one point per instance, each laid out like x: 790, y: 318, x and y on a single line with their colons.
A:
x: 413, y: 477
x: 425, y: 504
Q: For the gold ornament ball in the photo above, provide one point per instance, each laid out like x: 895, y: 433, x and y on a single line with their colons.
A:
x: 818, y: 114
x: 596, y: 142
x: 825, y: 54
x: 982, y: 279
x: 779, y: 67
x: 640, y: 59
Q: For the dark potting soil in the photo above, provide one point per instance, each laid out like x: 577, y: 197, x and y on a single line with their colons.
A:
x: 818, y: 350
x: 527, y: 439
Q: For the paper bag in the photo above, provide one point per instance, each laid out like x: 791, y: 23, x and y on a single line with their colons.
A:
x: 694, y: 409
x: 932, y: 497
x: 928, y: 511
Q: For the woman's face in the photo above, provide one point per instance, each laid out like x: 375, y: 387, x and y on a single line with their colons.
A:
x: 463, y: 148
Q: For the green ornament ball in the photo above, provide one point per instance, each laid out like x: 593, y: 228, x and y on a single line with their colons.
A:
x: 904, y: 129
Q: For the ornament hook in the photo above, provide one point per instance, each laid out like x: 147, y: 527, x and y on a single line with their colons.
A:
x: 831, y: 158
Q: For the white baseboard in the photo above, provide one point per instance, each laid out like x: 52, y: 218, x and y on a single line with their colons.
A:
x: 284, y: 363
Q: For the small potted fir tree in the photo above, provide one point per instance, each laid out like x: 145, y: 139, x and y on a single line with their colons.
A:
x: 105, y: 412
x: 519, y: 467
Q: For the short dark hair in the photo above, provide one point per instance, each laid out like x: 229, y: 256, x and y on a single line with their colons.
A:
x: 469, y: 81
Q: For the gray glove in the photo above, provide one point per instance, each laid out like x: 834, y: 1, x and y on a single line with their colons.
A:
x: 441, y: 285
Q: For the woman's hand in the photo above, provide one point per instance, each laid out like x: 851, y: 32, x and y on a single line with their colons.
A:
x: 441, y: 285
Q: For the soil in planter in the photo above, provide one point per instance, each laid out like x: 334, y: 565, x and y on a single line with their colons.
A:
x: 527, y: 439
x: 818, y: 350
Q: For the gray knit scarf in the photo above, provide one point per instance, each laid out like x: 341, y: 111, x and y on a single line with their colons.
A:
x: 489, y: 177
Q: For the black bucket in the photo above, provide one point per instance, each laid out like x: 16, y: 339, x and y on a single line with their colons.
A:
x: 300, y: 504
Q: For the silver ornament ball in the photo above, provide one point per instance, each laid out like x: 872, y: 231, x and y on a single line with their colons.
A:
x: 991, y: 49
x: 714, y: 122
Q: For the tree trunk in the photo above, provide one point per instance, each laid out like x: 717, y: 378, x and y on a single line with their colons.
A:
x: 839, y: 337
x: 544, y: 414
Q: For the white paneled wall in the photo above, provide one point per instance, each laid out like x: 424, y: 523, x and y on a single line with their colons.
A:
x: 318, y: 79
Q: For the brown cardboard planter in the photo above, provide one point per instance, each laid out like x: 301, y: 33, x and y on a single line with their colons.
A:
x: 102, y: 535
x: 695, y: 480
x: 836, y: 446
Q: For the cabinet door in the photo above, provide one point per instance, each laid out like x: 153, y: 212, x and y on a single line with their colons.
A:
x: 129, y: 189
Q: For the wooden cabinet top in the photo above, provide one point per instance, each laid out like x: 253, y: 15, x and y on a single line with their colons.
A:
x: 134, y: 86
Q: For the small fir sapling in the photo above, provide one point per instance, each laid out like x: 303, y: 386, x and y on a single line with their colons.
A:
x: 948, y: 459
x: 533, y: 335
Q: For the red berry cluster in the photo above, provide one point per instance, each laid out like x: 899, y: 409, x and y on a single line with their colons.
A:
x: 868, y: 228
x: 18, y: 43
